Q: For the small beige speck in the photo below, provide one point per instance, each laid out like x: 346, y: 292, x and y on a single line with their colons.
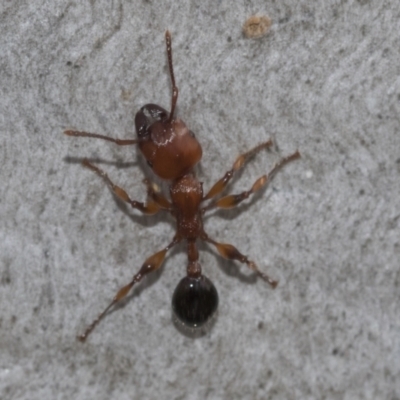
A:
x: 126, y: 94
x: 256, y: 26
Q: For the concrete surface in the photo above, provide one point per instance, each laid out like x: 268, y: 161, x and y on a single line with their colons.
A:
x: 325, y: 81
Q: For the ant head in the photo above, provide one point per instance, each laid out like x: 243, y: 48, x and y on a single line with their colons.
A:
x: 195, y: 301
x: 169, y: 147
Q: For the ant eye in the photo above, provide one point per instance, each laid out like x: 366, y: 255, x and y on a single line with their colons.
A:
x: 195, y: 300
x: 192, y: 134
x: 150, y: 164
x: 142, y: 131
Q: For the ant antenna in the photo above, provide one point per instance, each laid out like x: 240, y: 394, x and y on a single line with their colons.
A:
x: 171, y: 72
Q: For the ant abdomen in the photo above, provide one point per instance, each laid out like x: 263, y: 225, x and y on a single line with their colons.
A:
x: 195, y: 301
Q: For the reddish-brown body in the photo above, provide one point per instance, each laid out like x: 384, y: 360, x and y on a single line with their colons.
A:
x: 172, y: 151
x: 187, y: 195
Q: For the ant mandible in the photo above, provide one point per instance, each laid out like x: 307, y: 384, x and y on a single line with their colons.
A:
x: 172, y: 151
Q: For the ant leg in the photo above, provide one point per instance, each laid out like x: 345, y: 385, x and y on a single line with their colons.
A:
x: 232, y: 253
x: 120, y: 142
x: 154, y: 192
x: 151, y: 264
x: 234, y: 199
x: 149, y: 208
x: 223, y: 182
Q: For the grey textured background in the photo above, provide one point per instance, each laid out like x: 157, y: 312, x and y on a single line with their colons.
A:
x: 325, y: 81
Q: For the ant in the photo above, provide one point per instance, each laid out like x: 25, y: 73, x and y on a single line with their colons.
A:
x: 172, y: 151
